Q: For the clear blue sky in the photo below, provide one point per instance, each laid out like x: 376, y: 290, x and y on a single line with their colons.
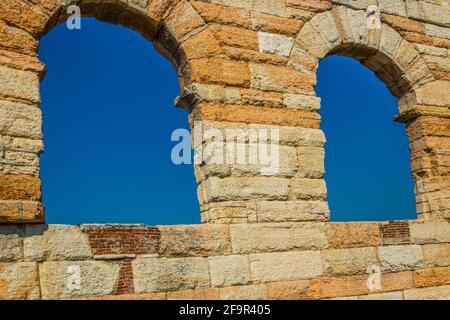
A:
x: 108, y: 110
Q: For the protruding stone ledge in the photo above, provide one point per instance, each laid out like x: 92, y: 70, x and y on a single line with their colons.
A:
x: 411, y: 113
x: 12, y: 211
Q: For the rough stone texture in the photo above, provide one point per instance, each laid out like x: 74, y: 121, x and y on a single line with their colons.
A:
x: 19, y: 281
x: 97, y: 278
x: 10, y: 244
x: 251, y: 292
x: 340, y: 262
x: 433, y: 293
x: 285, y: 266
x: 400, y: 258
x: 288, y: 290
x: 229, y: 270
x: 436, y: 255
x: 164, y: 274
x: 355, y: 234
x: 430, y: 232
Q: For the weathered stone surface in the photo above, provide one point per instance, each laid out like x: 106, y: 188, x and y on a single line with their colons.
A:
x: 13, y: 211
x: 211, y: 12
x: 219, y: 71
x: 311, y: 162
x: 396, y: 281
x: 19, y: 84
x: 19, y: 281
x: 235, y: 37
x: 436, y: 255
x: 20, y: 187
x: 430, y: 232
x: 164, y: 274
x: 20, y: 120
x: 58, y: 279
x: 396, y: 7
x: 389, y: 41
x: 183, y: 19
x: 295, y: 211
x: 433, y: 293
x: 274, y: 7
x: 310, y: 39
x: 10, y: 243
x: 339, y: 262
x: 229, y: 270
x: 250, y: 292
x: 309, y: 189
x: 250, y: 238
x: 396, y: 295
x: 273, y: 24
x: 246, y: 188
x: 432, y: 277
x: 194, y: 240
x: 400, y: 258
x: 330, y: 287
x: 285, y: 266
x: 288, y: 290
x: 194, y: 294
x: 297, y: 101
x: 325, y: 25
x: 275, y: 43
x: 55, y: 242
x: 353, y: 234
x: 434, y: 93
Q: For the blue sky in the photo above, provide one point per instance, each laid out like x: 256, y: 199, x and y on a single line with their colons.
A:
x: 108, y: 110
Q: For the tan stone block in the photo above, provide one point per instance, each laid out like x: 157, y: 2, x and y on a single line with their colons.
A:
x: 276, y: 44
x: 432, y: 277
x: 183, y: 19
x: 12, y: 211
x: 20, y: 187
x: 18, y: 13
x: 163, y: 274
x: 396, y: 295
x: 20, y: 120
x: 223, y: 14
x: 433, y: 293
x: 246, y: 4
x: 436, y: 255
x: 330, y: 287
x: 424, y: 39
x: 356, y: 4
x: 250, y: 292
x: 17, y: 40
x: 11, y: 248
x: 218, y: 71
x: 311, y: 162
x: 19, y: 84
x: 194, y: 240
x: 273, y: 7
x: 311, y: 41
x: 309, y: 189
x: 281, y: 79
x: 396, y: 281
x: 406, y: 55
x: 274, y: 24
x: 400, y: 258
x: 194, y: 294
x: 294, y: 211
x: 142, y: 296
x: 261, y: 98
x: 284, y: 266
x: 297, y: 101
x: 256, y: 115
x: 432, y: 12
x: 389, y: 41
x: 241, y: 188
x: 235, y: 36
x: 288, y: 290
x: 423, y: 232
x: 55, y: 242
x: 303, y: 61
x: 358, y: 23
x: 401, y: 23
x: 434, y: 93
x: 325, y: 25
x: 229, y: 270
x: 353, y: 234
x: 19, y: 281
x: 250, y: 238
x: 310, y: 5
x: 98, y: 278
x: 339, y: 262
x: 201, y: 45
x: 240, y: 54
x: 437, y: 31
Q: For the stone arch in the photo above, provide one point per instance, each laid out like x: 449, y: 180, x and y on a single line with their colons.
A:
x: 401, y: 67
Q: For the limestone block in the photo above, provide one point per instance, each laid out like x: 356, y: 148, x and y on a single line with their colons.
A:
x: 288, y: 290
x: 433, y: 293
x: 284, y: 266
x: 396, y: 295
x: 353, y: 234
x: 428, y: 12
x: 434, y: 93
x: 19, y: 281
x: 430, y: 232
x: 325, y: 25
x: 164, y: 274
x: 298, y: 101
x: 194, y: 240
x: 349, y: 261
x: 214, y: 93
x: 218, y: 71
x: 309, y: 189
x: 20, y: 120
x: 30, y: 17
x: 436, y: 255
x: 20, y: 187
x: 10, y: 243
x: 275, y: 43
x: 437, y: 31
x: 229, y: 270
x: 295, y: 211
x: 182, y: 20
x: 19, y: 84
x: 389, y: 41
x: 273, y: 24
x: 246, y: 188
x: 250, y: 292
x: 396, y: 281
x: 55, y: 242
x: 406, y: 55
x: 245, y: 4
x: 250, y: 238
x: 356, y: 4
x: 432, y: 277
x: 431, y: 50
x: 396, y: 7
x: 311, y: 162
x: 192, y: 294
x: 273, y: 7
x: 59, y: 279
x: 311, y: 40
x: 331, y: 287
x: 400, y: 258
x: 13, y: 211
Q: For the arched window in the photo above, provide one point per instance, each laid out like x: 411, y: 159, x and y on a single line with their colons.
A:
x: 367, y: 159
x: 107, y: 103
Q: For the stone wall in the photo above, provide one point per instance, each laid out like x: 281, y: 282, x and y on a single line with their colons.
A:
x: 242, y: 64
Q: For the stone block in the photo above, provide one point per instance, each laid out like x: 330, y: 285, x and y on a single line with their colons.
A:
x: 400, y: 258
x: 353, y: 234
x: 10, y: 243
x: 229, y: 270
x: 19, y: 281
x: 340, y: 262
